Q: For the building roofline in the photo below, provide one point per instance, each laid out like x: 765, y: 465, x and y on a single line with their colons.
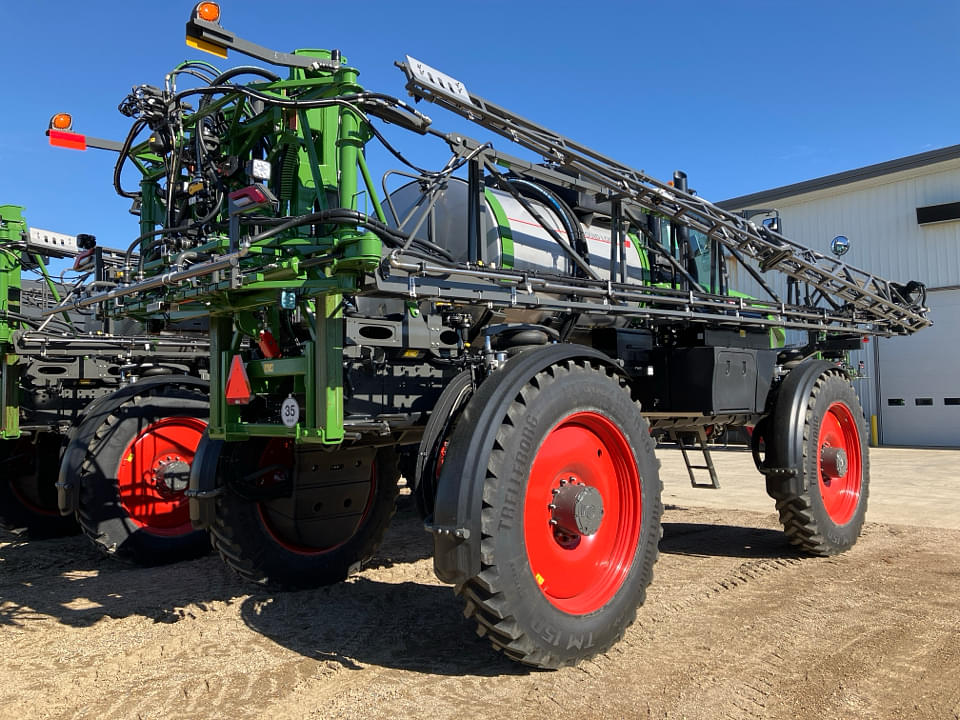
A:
x: 931, y: 157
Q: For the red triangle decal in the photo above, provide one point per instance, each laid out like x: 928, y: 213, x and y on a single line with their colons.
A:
x: 238, y: 391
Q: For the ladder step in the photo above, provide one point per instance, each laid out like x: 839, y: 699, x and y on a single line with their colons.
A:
x: 701, y: 440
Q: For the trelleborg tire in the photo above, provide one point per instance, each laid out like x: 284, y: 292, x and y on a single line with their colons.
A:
x: 571, y: 518
x: 826, y: 518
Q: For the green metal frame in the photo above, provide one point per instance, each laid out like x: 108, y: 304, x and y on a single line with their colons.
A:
x: 320, y: 156
x: 13, y: 229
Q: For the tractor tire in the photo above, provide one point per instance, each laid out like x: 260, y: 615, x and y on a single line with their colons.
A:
x: 135, y: 472
x: 826, y: 518
x: 28, y: 493
x: 269, y: 539
x: 571, y: 518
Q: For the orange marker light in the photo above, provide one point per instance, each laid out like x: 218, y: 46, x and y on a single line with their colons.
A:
x: 61, y: 121
x: 208, y: 11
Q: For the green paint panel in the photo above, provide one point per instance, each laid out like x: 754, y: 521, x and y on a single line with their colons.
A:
x: 503, y: 224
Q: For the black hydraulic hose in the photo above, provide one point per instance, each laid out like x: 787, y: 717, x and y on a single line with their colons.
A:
x: 188, y: 71
x: 346, y: 100
x: 151, y: 234
x: 199, y: 69
x: 201, y: 148
x: 419, y: 254
x: 342, y: 216
x: 20, y: 317
x: 571, y: 252
x: 118, y: 168
x: 245, y: 70
x: 570, y: 222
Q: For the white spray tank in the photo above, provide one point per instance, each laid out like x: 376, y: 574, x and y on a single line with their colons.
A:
x: 514, y: 238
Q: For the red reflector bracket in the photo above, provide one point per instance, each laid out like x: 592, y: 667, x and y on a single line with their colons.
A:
x: 84, y: 260
x: 268, y: 345
x: 64, y: 139
x: 237, y: 391
x: 247, y: 196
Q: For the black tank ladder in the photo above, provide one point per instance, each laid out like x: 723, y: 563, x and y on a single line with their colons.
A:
x: 701, y: 439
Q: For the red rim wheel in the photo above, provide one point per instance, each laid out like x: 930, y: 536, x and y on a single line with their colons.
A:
x: 582, y: 513
x: 153, y: 472
x: 839, y: 463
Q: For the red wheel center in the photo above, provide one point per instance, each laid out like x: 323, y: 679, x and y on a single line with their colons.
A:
x: 154, y: 474
x: 582, y: 513
x: 839, y: 463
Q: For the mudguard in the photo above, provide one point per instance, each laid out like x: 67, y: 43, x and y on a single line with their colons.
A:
x: 203, y: 488
x: 448, y: 402
x: 784, y: 427
x: 68, y: 486
x: 456, y: 517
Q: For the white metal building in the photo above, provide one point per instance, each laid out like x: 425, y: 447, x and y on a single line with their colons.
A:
x: 903, y: 221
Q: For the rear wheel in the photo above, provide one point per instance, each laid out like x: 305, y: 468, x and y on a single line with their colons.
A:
x: 826, y: 517
x: 135, y: 474
x: 571, y: 518
x: 293, y: 517
x: 28, y: 493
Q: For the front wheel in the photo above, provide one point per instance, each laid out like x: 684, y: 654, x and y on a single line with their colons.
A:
x: 291, y: 517
x: 827, y: 516
x: 571, y: 518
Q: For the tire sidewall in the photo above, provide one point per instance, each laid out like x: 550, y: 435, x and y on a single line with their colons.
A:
x: 839, y: 536
x: 567, y: 635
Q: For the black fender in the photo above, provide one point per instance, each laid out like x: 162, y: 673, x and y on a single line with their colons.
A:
x: 783, y: 429
x: 456, y: 516
x: 68, y: 486
x: 449, y: 400
x: 203, y: 489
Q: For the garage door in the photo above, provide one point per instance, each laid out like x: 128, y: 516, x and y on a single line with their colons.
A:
x: 920, y: 380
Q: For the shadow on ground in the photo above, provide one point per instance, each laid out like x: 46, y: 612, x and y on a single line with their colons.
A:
x: 414, y: 625
x: 380, y: 618
x: 407, y: 625
x: 69, y: 580
x: 707, y: 539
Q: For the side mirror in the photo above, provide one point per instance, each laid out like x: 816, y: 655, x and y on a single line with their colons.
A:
x: 840, y: 245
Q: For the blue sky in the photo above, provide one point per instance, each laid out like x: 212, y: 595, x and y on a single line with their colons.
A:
x: 742, y: 95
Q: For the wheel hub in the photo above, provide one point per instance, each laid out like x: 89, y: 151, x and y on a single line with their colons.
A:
x: 833, y: 461
x: 172, y: 475
x: 576, y: 510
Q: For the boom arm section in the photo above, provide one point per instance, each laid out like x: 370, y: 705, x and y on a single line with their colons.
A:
x: 888, y: 305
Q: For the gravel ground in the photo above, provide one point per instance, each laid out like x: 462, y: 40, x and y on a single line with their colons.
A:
x: 736, y: 625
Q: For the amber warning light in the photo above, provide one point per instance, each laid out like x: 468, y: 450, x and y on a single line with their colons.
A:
x: 208, y: 11
x: 60, y: 133
x: 61, y: 121
x: 204, y: 12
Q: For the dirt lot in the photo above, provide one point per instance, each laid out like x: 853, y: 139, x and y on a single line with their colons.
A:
x: 735, y: 626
